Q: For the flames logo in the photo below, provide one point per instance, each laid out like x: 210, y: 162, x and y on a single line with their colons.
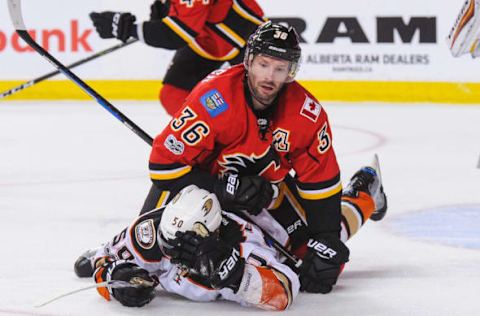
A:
x: 245, y: 165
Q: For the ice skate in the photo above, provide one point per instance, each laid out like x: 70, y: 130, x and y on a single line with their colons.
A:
x: 83, y: 266
x: 369, y: 180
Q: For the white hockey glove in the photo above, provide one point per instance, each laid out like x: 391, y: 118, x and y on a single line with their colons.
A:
x: 465, y: 34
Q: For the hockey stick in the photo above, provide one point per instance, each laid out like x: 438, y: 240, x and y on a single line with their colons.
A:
x: 114, y: 284
x: 15, y: 10
x: 71, y: 66
x: 14, y: 7
x: 297, y: 262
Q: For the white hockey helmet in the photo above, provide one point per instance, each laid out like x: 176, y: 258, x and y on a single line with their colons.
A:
x: 192, y: 209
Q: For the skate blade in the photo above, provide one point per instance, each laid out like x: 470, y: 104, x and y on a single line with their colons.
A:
x: 376, y: 166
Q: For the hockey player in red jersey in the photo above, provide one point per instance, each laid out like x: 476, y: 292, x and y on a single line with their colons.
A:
x: 194, y: 250
x: 245, y: 128
x: 241, y: 132
x: 204, y: 33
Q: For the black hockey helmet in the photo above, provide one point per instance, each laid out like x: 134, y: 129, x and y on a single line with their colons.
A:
x: 275, y: 40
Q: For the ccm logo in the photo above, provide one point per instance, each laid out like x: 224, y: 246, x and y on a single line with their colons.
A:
x: 322, y: 250
x: 229, y: 264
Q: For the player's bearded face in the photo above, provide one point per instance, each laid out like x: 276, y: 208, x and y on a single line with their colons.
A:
x: 266, y: 76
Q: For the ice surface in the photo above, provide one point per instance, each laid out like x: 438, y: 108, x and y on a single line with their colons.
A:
x: 71, y: 176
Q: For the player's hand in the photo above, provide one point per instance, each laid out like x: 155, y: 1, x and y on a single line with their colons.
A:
x: 129, y: 272
x: 159, y: 9
x: 209, y: 257
x: 113, y: 24
x: 201, y: 255
x: 250, y: 193
x: 193, y: 251
x: 322, y: 264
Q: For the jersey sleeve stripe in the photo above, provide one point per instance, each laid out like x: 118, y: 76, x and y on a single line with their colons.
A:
x: 230, y: 34
x: 244, y: 12
x: 200, y: 51
x: 169, y: 174
x: 189, y: 37
x: 319, y: 185
x: 163, y: 198
x: 180, y: 29
x: 322, y: 193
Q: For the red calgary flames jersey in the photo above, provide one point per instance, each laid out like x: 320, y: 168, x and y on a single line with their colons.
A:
x: 214, y: 29
x: 217, y: 131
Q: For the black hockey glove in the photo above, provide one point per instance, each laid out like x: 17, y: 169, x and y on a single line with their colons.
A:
x: 143, y: 285
x: 114, y: 24
x: 322, y: 264
x: 196, y: 253
x: 250, y: 193
x: 208, y: 257
x: 159, y: 9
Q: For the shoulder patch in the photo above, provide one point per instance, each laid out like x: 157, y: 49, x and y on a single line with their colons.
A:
x: 214, y: 103
x: 174, y: 145
x: 311, y: 109
x: 145, y: 234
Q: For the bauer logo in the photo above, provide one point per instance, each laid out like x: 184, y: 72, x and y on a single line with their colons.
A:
x: 214, y: 103
x: 322, y: 250
x: 145, y: 234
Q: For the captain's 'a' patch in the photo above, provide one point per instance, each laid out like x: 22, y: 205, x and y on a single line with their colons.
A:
x: 214, y: 103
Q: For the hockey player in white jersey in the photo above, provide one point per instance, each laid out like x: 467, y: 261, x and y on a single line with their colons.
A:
x: 193, y: 249
x: 464, y: 37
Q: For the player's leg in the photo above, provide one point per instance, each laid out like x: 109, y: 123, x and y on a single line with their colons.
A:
x: 363, y: 199
x: 185, y: 71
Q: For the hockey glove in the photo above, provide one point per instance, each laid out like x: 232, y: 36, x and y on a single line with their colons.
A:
x: 196, y: 253
x: 322, y: 264
x: 208, y: 257
x: 159, y: 9
x: 114, y: 24
x: 143, y: 285
x: 250, y: 193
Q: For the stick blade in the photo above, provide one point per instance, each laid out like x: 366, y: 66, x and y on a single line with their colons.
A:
x: 15, y: 10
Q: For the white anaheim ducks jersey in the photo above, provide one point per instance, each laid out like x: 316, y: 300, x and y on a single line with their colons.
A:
x: 138, y: 243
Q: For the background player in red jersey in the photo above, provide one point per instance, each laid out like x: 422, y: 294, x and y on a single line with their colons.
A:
x: 245, y: 128
x: 204, y: 33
